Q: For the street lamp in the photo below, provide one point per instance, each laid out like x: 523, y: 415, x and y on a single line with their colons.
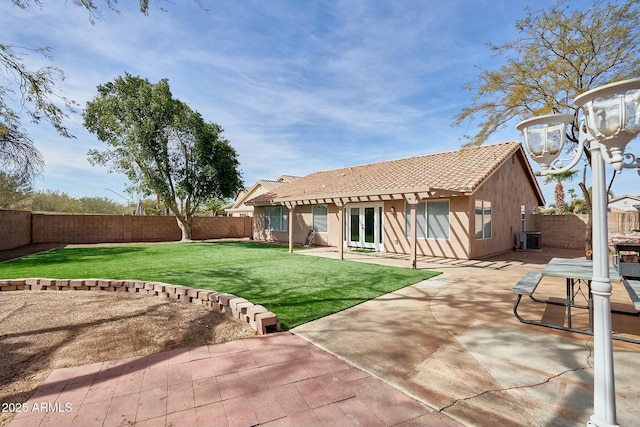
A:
x: 611, y: 119
x: 121, y: 196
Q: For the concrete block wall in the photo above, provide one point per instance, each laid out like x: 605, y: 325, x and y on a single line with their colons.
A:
x: 561, y: 231
x: 19, y: 228
x: 15, y: 229
x: 568, y: 231
x: 259, y: 318
x: 153, y: 229
x: 221, y: 226
x: 77, y: 228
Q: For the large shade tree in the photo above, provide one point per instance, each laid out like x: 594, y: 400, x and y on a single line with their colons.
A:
x: 162, y: 145
x: 562, y: 51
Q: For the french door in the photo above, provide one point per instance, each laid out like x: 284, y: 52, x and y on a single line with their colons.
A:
x: 363, y: 227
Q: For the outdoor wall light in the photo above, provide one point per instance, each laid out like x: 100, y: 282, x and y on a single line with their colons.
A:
x: 611, y: 119
x: 393, y: 210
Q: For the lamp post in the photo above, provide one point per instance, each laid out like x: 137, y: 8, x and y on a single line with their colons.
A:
x: 610, y: 120
x: 119, y: 195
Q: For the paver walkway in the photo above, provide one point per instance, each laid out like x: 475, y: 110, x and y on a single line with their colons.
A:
x: 275, y: 380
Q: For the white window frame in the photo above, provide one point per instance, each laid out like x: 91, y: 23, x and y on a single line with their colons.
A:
x: 424, y: 231
x: 320, y: 220
x: 280, y: 212
x: 483, y: 219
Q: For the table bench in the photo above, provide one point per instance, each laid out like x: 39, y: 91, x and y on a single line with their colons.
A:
x: 633, y: 289
x: 526, y: 286
x: 574, y: 272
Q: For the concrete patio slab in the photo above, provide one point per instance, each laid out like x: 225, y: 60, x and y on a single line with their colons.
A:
x: 453, y: 343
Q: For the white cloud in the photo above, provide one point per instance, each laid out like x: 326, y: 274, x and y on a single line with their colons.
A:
x: 297, y: 86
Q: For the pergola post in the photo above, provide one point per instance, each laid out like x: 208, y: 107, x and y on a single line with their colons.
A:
x: 340, y: 206
x: 412, y: 199
x: 291, y: 208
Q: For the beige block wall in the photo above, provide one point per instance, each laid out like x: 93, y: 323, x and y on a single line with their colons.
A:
x: 561, y: 231
x: 568, y: 231
x: 221, y: 227
x: 18, y: 228
x: 15, y: 229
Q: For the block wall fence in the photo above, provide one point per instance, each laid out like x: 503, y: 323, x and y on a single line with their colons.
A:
x: 19, y: 228
x: 568, y: 231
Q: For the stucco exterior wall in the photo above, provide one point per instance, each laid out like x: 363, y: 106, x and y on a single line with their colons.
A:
x: 457, y: 246
x: 507, y: 190
x: 303, y: 222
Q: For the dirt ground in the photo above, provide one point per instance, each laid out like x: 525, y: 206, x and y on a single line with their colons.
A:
x: 44, y: 330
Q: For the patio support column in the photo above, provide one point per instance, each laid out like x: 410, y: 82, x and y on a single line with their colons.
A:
x: 340, y: 206
x: 412, y: 199
x: 292, y: 208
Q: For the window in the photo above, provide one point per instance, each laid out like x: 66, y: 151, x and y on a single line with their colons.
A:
x: 438, y: 219
x: 275, y: 218
x: 432, y: 219
x: 320, y: 218
x: 483, y: 219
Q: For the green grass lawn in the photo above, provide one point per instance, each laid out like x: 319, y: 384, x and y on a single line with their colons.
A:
x: 298, y: 288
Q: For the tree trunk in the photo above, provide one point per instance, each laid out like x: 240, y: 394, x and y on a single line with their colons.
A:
x: 184, y: 222
x: 185, y: 227
x: 559, y: 196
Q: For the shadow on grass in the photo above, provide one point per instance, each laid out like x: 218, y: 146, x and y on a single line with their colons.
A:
x: 63, y: 255
x: 305, y: 296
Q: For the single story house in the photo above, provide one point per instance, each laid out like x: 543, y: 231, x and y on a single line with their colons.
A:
x: 624, y: 203
x: 239, y: 206
x: 465, y: 204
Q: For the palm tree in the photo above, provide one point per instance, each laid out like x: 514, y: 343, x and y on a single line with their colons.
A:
x: 559, y: 190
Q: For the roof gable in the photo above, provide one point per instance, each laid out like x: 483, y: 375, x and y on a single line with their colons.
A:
x: 261, y: 187
x: 625, y: 196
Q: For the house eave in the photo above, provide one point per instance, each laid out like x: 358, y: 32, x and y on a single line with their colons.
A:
x: 354, y: 197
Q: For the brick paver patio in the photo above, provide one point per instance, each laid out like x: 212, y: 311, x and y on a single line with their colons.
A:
x: 274, y: 380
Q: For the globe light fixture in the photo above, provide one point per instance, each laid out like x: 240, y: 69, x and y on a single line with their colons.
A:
x: 544, y: 138
x: 611, y: 119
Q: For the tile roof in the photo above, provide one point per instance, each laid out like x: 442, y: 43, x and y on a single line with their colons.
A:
x: 271, y: 185
x: 460, y: 171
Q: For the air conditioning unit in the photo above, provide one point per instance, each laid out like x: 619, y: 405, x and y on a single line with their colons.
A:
x: 530, y: 240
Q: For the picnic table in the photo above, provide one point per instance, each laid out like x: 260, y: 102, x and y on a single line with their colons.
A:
x: 576, y: 274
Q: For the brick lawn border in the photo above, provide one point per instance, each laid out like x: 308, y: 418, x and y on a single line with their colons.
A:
x: 260, y: 319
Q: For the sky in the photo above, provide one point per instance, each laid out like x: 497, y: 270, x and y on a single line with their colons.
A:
x: 297, y: 86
